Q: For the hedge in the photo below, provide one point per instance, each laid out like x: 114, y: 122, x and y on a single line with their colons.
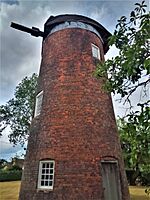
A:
x: 13, y: 175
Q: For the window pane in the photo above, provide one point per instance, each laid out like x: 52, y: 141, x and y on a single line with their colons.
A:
x: 43, y: 165
x: 51, y: 165
x: 50, y: 183
x: 47, y: 165
x: 42, y: 177
x: 42, y: 183
x: 46, y: 183
x: 51, y: 171
x: 51, y: 177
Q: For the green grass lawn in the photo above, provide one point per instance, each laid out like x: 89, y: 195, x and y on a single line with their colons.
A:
x: 10, y: 191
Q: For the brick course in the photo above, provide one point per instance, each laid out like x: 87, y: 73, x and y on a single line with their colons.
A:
x: 76, y: 126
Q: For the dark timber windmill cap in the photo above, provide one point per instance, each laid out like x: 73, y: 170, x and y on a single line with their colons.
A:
x: 54, y: 21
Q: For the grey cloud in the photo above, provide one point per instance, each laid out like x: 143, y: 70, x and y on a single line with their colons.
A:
x: 20, y: 52
x: 10, y: 2
x: 7, y: 151
x: 7, y: 148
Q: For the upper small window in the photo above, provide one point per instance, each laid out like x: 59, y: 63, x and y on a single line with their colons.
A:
x: 95, y: 51
x: 38, y: 104
x: 46, y: 174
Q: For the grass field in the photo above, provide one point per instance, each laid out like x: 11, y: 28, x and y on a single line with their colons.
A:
x: 10, y: 191
x: 138, y: 193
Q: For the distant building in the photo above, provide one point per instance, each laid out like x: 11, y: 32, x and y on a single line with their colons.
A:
x: 18, y: 162
x: 14, y: 162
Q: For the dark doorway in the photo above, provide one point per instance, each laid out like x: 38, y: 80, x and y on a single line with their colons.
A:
x: 111, y: 180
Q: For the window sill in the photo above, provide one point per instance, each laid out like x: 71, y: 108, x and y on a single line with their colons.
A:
x: 44, y: 190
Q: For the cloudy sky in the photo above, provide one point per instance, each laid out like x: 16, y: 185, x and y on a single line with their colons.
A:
x: 21, y: 53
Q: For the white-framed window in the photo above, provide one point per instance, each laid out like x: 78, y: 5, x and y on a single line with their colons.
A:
x: 38, y: 103
x: 46, y: 174
x: 95, y: 51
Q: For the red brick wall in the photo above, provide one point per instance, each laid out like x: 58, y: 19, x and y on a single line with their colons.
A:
x: 76, y: 127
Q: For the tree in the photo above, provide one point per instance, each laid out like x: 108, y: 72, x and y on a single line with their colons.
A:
x: 135, y: 142
x: 3, y: 162
x: 17, y: 112
x: 130, y: 70
x: 128, y: 73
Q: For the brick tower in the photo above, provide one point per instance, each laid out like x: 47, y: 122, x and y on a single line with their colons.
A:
x: 73, y: 151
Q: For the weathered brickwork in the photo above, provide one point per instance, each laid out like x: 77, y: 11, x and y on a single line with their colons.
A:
x: 76, y: 127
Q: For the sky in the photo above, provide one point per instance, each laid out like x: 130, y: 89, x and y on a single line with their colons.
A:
x: 21, y: 53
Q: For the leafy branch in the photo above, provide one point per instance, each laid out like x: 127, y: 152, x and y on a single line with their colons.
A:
x: 17, y: 112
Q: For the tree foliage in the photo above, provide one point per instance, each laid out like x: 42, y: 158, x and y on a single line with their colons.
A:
x: 17, y: 112
x: 130, y: 69
x: 3, y: 162
x: 135, y: 142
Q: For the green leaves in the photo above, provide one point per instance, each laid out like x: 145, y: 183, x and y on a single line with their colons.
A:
x: 131, y: 38
x: 112, y: 40
x: 17, y: 113
x: 147, y: 65
x: 134, y: 130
